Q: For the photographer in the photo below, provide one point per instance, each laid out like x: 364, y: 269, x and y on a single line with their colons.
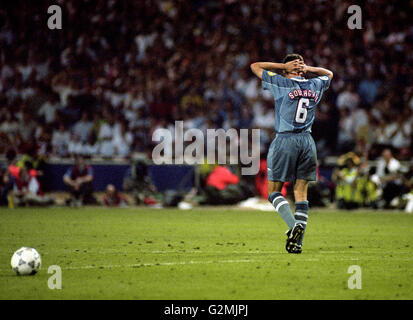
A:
x: 224, y: 187
x: 389, y: 179
x: 27, y: 190
x: 113, y: 198
x: 138, y: 182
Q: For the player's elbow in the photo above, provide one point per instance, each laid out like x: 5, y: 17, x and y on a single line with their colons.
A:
x: 330, y: 75
x: 255, y: 68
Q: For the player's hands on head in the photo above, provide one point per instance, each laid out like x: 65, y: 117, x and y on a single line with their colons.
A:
x: 303, y: 68
x: 291, y: 65
x: 295, y: 66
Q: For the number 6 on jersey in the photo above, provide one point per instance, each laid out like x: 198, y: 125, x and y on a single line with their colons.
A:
x: 301, y: 112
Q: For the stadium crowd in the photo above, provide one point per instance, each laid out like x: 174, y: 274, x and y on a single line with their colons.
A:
x: 119, y: 70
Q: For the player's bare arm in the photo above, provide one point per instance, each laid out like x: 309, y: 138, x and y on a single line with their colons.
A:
x: 318, y: 71
x: 258, y: 67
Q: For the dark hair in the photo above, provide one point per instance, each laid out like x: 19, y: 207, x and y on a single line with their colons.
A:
x: 292, y: 56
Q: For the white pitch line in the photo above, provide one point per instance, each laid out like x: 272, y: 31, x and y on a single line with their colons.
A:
x: 191, y: 262
x: 240, y: 252
x: 158, y: 264
x: 202, y: 252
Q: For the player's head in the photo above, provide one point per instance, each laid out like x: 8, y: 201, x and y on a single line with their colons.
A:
x: 291, y: 57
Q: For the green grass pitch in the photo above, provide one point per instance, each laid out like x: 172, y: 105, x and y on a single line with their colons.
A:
x: 206, y: 253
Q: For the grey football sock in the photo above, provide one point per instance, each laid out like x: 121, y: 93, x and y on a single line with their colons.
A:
x: 301, y: 216
x: 282, y: 206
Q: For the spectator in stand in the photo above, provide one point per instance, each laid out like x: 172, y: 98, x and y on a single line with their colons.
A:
x: 82, y: 127
x: 382, y: 136
x: 348, y: 98
x: 107, y: 129
x: 79, y: 180
x: 107, y: 148
x: 91, y: 147
x: 264, y: 117
x: 402, y: 133
x: 122, y: 140
x: 48, y: 110
x: 9, y: 125
x: 75, y: 145
x: 27, y: 126
x: 369, y: 87
x: 60, y: 141
x: 346, y: 134
x: 106, y: 133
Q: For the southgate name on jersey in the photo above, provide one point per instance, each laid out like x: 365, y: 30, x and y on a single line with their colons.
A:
x: 303, y: 93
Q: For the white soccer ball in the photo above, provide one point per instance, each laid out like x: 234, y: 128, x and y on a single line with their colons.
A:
x: 26, y: 261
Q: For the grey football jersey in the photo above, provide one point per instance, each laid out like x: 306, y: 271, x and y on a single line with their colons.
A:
x: 295, y: 100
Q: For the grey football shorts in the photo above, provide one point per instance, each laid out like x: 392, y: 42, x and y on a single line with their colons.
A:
x: 292, y: 156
